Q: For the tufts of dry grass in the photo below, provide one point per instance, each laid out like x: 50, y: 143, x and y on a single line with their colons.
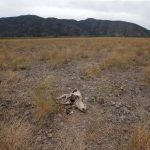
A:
x: 3, y: 60
x: 55, y: 57
x: 69, y: 140
x: 43, y: 55
x: 124, y: 57
x: 117, y: 59
x: 147, y: 75
x: 16, y: 135
x: 140, y: 139
x: 93, y: 133
x: 20, y: 63
x: 90, y: 70
x: 10, y: 79
x: 44, y: 94
x: 106, y: 88
x: 103, y: 53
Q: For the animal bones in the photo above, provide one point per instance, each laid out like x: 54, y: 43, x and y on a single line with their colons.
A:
x: 73, y: 99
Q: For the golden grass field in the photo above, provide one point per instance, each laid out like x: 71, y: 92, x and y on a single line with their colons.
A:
x: 115, y: 53
x: 93, y: 58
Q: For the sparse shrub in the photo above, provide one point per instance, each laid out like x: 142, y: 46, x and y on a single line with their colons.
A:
x: 55, y: 57
x: 15, y: 136
x: 58, y: 58
x: 123, y: 58
x: 76, y: 141
x: 84, y: 54
x: 147, y: 75
x: 3, y: 60
x: 20, y: 63
x: 44, y: 94
x: 43, y: 55
x: 11, y: 78
x: 90, y: 70
x: 99, y: 99
x: 142, y: 57
x: 93, y: 133
x: 140, y: 139
x: 117, y: 59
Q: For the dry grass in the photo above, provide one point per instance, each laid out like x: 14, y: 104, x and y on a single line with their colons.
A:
x: 117, y: 53
x: 44, y: 94
x: 15, y: 136
x: 147, y: 75
x: 10, y: 78
x: 20, y: 63
x: 57, y: 57
x: 123, y: 58
x: 72, y: 140
x: 140, y: 139
x: 105, y: 89
x: 2, y: 60
x: 90, y: 70
x: 97, y: 53
x: 117, y: 59
x: 94, y: 132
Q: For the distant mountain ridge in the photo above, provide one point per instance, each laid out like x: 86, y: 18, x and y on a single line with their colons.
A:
x: 34, y: 26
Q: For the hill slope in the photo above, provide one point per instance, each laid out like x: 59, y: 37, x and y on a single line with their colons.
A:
x: 33, y: 26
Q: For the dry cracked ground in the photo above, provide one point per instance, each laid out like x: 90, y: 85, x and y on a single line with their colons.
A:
x: 113, y: 75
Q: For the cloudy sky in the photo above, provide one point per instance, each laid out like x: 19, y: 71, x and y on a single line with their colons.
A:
x: 136, y: 11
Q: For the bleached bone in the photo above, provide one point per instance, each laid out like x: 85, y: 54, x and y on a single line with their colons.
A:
x: 73, y: 99
x: 64, y: 96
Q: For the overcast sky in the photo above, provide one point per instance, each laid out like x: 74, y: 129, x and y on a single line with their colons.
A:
x: 136, y: 11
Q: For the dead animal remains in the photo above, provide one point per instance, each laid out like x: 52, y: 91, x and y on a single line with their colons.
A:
x: 74, y: 99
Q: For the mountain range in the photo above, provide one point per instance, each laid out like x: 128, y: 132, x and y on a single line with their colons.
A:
x: 35, y: 26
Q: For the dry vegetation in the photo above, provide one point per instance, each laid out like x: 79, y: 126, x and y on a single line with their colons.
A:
x: 140, y: 138
x: 44, y: 94
x: 20, y: 63
x: 90, y: 70
x: 15, y: 135
x: 117, y: 53
x: 21, y: 58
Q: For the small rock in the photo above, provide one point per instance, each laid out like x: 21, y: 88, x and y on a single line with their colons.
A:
x: 49, y: 135
x: 99, y: 142
x: 113, y: 103
x: 126, y: 110
x: 126, y: 138
x: 82, y: 77
x: 125, y: 130
x: 118, y: 105
x: 27, y: 113
x: 122, y: 118
x: 73, y: 78
x: 28, y: 104
x: 110, y: 95
x: 59, y: 115
x: 69, y: 111
x: 129, y: 107
x: 122, y: 87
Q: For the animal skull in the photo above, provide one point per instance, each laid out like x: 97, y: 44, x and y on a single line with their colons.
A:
x: 73, y: 99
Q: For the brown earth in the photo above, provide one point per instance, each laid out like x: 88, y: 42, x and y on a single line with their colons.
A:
x: 117, y: 96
